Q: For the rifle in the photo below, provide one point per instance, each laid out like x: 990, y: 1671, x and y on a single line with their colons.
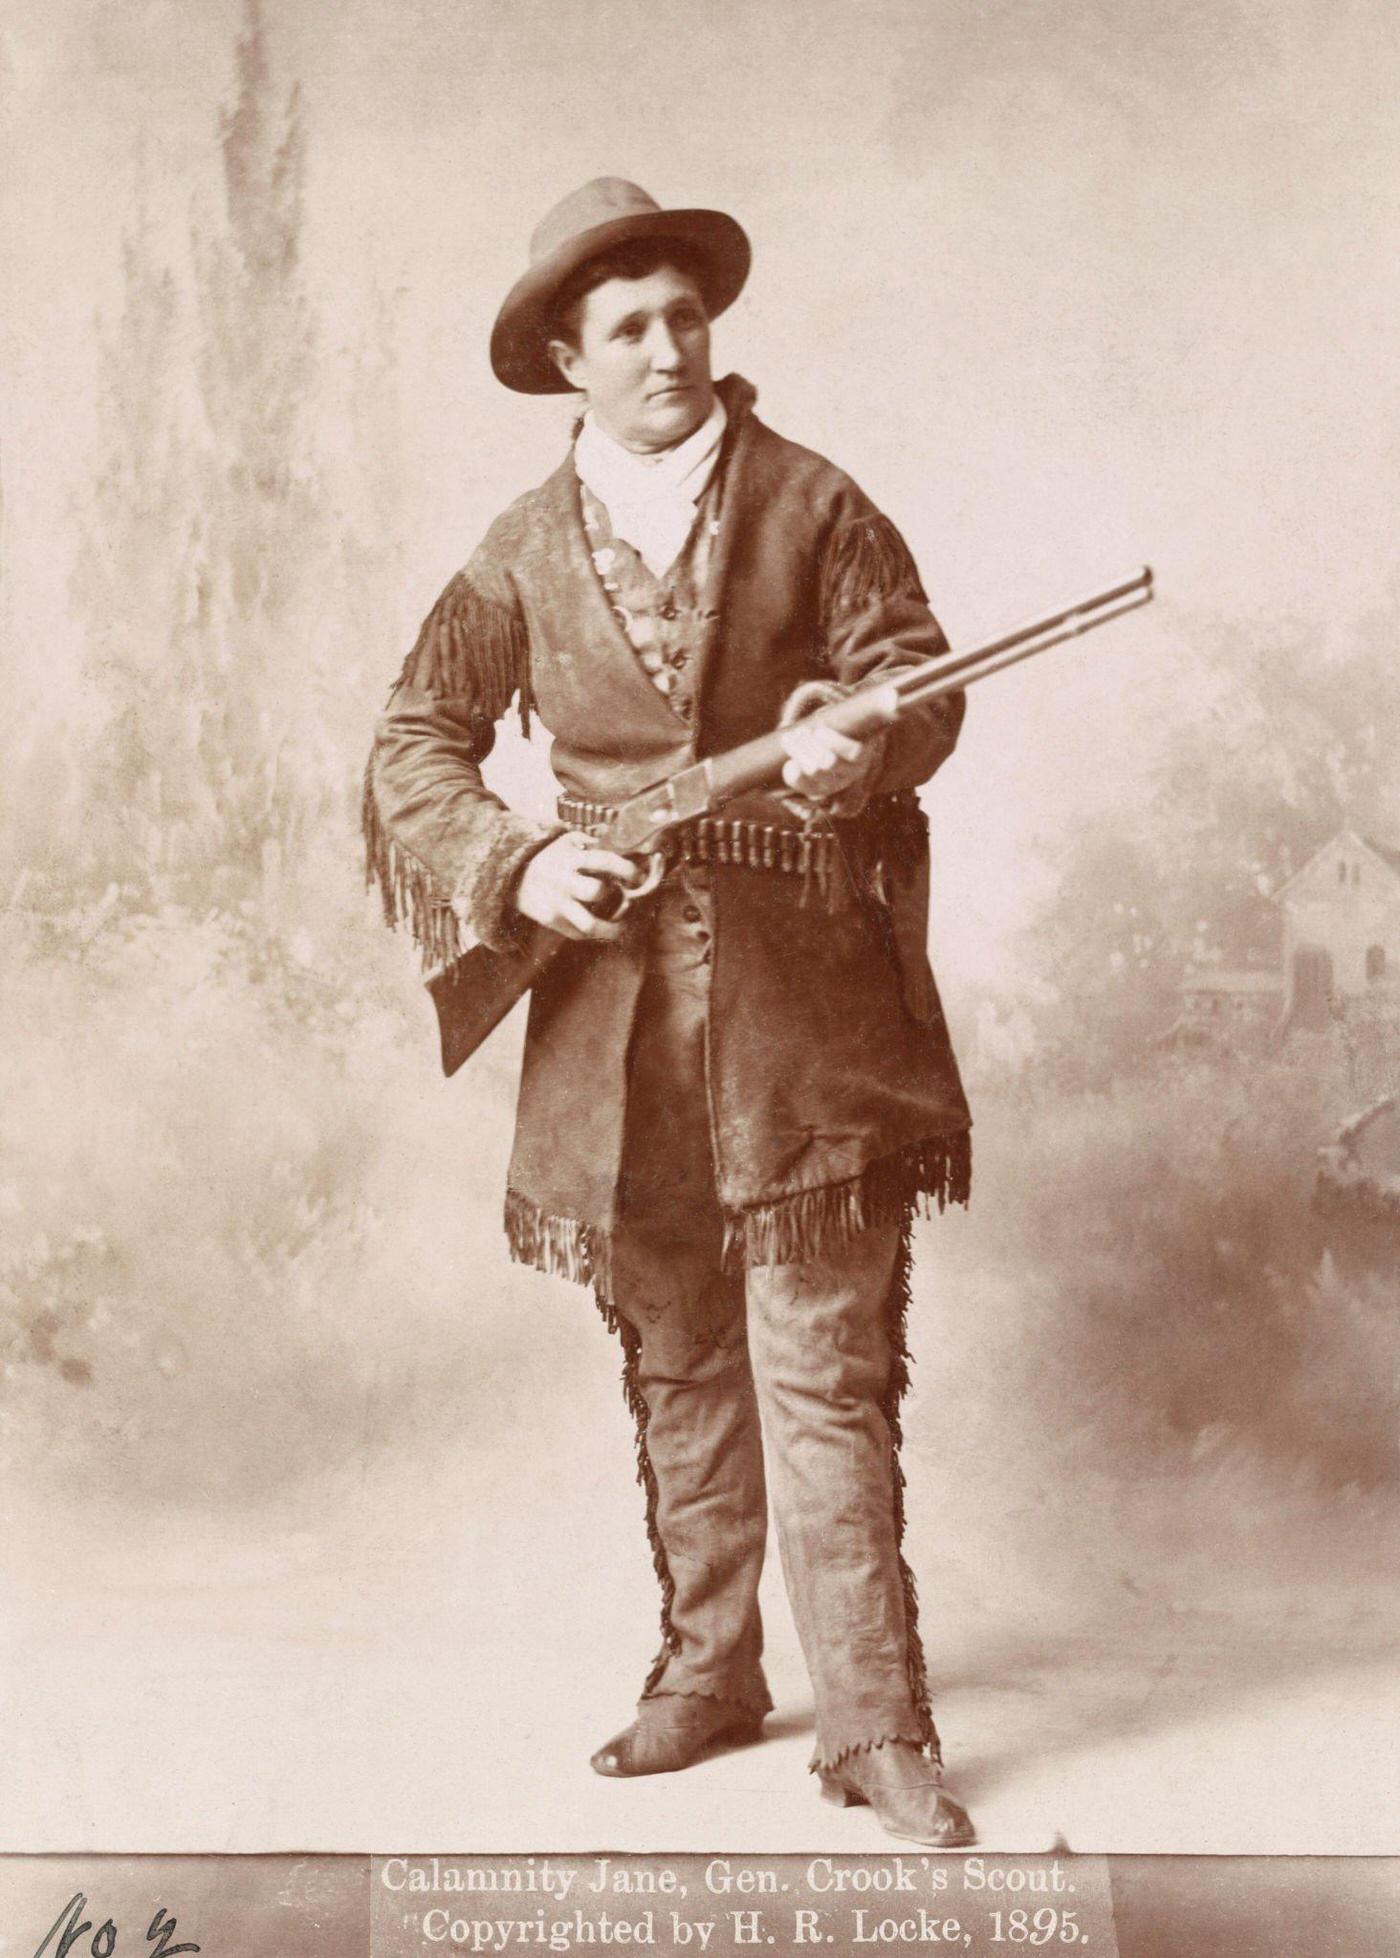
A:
x: 474, y: 993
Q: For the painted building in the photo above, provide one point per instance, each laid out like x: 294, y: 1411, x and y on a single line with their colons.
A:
x: 1339, y: 964
x: 1341, y: 927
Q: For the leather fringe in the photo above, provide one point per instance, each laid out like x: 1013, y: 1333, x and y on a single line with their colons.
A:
x: 870, y: 561
x: 564, y: 1247
x: 469, y: 644
x: 890, y: 1406
x: 933, y: 1173
x: 410, y: 894
x: 631, y: 1343
x: 936, y: 1171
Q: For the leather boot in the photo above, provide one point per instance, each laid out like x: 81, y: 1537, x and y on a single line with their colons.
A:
x: 674, y: 1731
x: 903, y: 1787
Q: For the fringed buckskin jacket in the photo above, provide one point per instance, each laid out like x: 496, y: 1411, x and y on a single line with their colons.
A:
x: 834, y: 1093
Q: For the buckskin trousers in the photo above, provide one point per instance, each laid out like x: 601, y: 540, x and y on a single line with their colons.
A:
x: 796, y: 1366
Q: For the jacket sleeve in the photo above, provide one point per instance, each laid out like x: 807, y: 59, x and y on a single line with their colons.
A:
x: 444, y: 851
x: 876, y: 620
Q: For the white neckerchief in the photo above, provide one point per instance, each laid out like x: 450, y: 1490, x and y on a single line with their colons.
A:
x: 651, y: 499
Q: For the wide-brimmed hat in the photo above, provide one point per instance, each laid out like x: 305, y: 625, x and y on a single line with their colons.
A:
x: 605, y: 213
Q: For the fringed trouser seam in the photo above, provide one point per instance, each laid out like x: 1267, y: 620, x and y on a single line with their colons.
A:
x: 630, y: 1340
x: 891, y: 1406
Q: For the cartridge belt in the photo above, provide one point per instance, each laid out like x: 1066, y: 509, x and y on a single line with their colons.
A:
x: 719, y: 839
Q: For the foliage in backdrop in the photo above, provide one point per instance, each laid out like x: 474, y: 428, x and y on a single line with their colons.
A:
x: 236, y: 1209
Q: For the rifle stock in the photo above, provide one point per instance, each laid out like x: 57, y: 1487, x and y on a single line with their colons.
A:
x: 475, y: 993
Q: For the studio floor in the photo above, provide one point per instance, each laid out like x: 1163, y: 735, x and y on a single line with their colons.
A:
x: 420, y: 1651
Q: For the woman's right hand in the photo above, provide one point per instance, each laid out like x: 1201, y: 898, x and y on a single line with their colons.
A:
x: 560, y: 881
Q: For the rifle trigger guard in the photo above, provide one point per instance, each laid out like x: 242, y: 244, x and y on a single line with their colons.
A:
x: 634, y: 893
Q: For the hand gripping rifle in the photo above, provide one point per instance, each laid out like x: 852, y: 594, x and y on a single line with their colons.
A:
x: 474, y: 993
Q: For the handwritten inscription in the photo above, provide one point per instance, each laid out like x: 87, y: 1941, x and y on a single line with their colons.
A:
x: 70, y: 1927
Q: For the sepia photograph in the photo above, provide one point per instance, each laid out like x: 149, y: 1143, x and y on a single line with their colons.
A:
x: 700, y: 860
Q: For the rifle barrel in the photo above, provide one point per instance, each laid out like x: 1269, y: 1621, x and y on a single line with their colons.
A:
x: 1046, y: 629
x: 758, y: 763
x: 1011, y: 649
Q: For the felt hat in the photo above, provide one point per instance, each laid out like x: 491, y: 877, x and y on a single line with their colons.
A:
x: 605, y: 213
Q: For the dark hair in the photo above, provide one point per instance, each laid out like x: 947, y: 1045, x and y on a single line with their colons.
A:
x: 636, y: 259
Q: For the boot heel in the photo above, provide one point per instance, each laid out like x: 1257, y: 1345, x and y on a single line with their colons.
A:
x: 834, y: 1790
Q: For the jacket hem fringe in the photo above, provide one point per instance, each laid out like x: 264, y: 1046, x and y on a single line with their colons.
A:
x: 563, y: 1247
x: 790, y: 1230
x: 932, y: 1173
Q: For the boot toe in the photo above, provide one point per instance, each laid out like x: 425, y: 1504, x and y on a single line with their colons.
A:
x: 907, y: 1799
x: 613, y: 1756
x: 651, y: 1746
x: 950, y: 1827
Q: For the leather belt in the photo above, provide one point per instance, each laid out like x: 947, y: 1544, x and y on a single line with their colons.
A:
x: 718, y: 839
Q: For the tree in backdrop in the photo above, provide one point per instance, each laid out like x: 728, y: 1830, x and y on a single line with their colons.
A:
x: 182, y: 951
x: 225, y: 574
x: 133, y: 587
x: 1275, y: 749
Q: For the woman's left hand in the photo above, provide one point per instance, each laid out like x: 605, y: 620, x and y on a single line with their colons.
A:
x: 824, y: 765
